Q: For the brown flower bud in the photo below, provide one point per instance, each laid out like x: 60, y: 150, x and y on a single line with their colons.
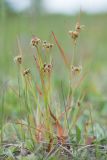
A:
x: 78, y: 27
x: 76, y: 69
x: 18, y: 59
x: 47, y: 67
x: 74, y: 34
x: 47, y: 45
x: 35, y: 41
x: 26, y: 72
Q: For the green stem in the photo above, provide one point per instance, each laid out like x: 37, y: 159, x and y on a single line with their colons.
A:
x: 2, y: 117
x: 73, y: 56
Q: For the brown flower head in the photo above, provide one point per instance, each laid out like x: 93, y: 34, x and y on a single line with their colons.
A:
x: 35, y: 41
x: 47, y: 68
x: 18, y: 59
x: 26, y: 72
x: 74, y: 34
x: 78, y: 27
x: 76, y: 70
x: 47, y: 45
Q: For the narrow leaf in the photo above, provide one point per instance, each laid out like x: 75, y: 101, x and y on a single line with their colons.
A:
x: 61, y: 50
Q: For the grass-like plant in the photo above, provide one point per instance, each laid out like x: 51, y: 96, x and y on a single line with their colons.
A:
x: 51, y: 128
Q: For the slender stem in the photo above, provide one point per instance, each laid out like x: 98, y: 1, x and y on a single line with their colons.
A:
x: 73, y: 56
x: 91, y: 120
x: 2, y: 117
x: 39, y: 56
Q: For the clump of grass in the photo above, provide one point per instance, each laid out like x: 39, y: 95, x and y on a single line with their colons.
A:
x: 50, y: 128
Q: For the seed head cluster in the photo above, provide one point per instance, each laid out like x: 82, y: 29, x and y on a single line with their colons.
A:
x: 76, y: 69
x: 47, y: 68
x: 75, y: 34
x: 47, y: 45
x: 26, y: 72
x: 35, y: 41
x: 18, y: 59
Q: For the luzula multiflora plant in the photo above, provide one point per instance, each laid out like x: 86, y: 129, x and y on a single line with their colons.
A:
x: 49, y: 122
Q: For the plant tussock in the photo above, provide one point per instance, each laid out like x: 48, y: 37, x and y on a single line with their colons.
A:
x: 56, y: 124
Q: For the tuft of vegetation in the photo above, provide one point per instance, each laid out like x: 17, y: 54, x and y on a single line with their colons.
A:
x: 56, y: 121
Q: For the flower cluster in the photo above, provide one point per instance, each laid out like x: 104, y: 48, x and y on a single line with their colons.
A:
x: 47, y: 68
x: 74, y: 34
x: 18, y: 59
x: 35, y: 41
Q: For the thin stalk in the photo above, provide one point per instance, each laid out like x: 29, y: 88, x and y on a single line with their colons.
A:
x: 2, y: 117
x: 39, y: 56
x: 29, y: 83
x: 45, y: 94
x: 73, y: 56
x: 91, y: 120
x: 65, y: 109
x: 29, y: 109
x: 29, y: 130
x: 23, y: 135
